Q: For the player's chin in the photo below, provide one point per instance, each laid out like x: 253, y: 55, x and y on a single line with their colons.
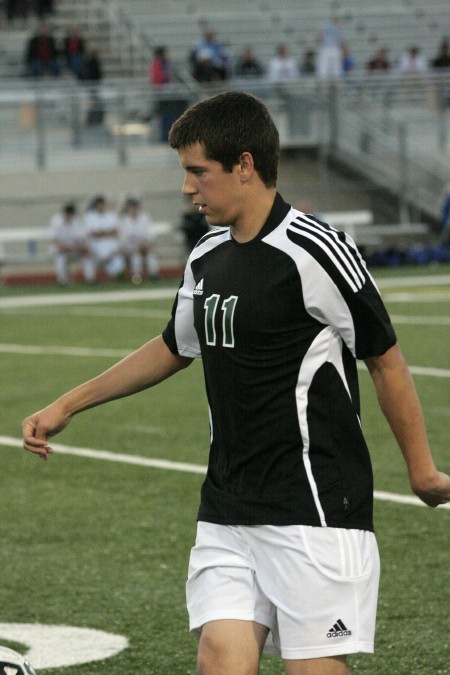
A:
x: 215, y: 220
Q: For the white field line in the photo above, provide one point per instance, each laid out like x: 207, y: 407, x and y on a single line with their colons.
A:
x: 136, y: 460
x: 87, y: 298
x: 113, y: 456
x: 433, y: 280
x: 94, y: 312
x: 43, y: 350
x: 404, y: 296
x: 62, y: 351
x: 128, y: 313
x: 420, y: 320
x: 164, y: 293
x: 429, y: 372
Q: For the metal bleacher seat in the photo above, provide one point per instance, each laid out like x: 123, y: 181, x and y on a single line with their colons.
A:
x: 263, y: 24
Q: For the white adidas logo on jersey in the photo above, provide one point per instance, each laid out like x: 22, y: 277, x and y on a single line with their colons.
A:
x: 198, y: 290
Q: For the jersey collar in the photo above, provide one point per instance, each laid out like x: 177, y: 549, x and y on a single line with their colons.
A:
x: 277, y: 214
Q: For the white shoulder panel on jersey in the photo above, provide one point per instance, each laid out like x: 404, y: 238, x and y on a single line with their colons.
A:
x: 209, y: 241
x: 322, y: 298
x: 185, y: 333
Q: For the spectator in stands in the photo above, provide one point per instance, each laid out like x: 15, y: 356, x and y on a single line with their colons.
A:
x: 283, y: 67
x: 379, y: 61
x: 137, y: 241
x: 41, y: 52
x: 203, y: 69
x: 74, y: 51
x: 102, y: 231
x: 445, y: 218
x: 347, y: 59
x: 329, y: 58
x: 160, y: 68
x: 67, y: 242
x: 92, y: 70
x: 442, y: 58
x: 308, y: 64
x: 412, y: 62
x: 17, y: 9
x: 167, y: 107
x: 208, y: 55
x: 43, y: 8
x: 247, y: 65
x: 92, y: 74
x: 22, y: 8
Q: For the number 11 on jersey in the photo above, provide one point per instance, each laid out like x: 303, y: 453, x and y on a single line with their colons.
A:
x: 228, y: 306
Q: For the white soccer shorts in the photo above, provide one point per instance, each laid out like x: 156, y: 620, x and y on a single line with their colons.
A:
x: 315, y: 588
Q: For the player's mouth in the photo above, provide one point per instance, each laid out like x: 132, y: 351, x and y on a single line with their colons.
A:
x: 201, y: 207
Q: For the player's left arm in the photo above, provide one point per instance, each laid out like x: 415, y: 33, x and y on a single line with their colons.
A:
x: 400, y: 404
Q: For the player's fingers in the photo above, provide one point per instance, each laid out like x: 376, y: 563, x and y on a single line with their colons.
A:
x: 42, y: 450
x: 34, y: 440
x: 439, y: 494
x: 36, y: 444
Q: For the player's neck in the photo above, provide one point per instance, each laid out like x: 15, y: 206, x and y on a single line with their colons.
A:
x: 253, y: 216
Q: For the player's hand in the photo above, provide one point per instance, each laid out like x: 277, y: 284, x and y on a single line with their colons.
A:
x: 39, y: 427
x: 433, y: 491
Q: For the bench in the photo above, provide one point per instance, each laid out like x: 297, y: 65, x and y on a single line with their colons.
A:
x: 24, y: 244
x: 401, y: 235
x: 30, y: 246
x: 348, y: 220
x: 360, y: 226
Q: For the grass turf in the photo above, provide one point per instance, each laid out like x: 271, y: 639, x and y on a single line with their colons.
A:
x: 105, y: 545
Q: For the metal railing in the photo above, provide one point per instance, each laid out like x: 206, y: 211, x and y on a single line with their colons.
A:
x: 395, y: 131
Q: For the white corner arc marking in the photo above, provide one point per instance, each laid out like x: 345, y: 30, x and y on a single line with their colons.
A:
x: 62, y: 646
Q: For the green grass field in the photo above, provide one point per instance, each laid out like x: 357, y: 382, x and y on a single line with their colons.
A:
x: 104, y: 545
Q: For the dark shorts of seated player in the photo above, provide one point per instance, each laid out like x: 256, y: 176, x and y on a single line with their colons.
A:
x: 315, y: 588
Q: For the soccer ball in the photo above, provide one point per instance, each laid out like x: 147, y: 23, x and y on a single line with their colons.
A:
x: 13, y: 663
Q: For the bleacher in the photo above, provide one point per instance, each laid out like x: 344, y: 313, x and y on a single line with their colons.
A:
x: 126, y: 30
x: 369, y: 113
x: 366, y: 25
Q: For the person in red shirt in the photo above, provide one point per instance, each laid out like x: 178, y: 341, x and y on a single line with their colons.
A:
x: 74, y: 51
x: 168, y: 107
x: 41, y: 54
x: 160, y: 68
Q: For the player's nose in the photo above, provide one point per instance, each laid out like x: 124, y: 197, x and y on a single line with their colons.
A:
x: 188, y: 186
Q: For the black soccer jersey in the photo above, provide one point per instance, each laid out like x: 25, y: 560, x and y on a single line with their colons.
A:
x: 278, y: 322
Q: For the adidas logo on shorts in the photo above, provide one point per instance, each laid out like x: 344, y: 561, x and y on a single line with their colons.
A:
x: 338, y: 630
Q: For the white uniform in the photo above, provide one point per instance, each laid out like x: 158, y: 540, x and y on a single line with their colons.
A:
x: 329, y: 58
x: 67, y: 241
x: 137, y: 238
x: 105, y: 249
x: 412, y: 64
x: 283, y: 69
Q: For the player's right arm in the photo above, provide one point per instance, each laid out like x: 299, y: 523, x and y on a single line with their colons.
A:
x: 401, y: 406
x: 143, y: 368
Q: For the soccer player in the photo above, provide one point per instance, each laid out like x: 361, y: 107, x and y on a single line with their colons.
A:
x: 102, y: 228
x: 278, y: 305
x: 68, y: 243
x: 137, y: 240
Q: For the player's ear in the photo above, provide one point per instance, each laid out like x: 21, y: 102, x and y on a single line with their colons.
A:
x: 246, y: 165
